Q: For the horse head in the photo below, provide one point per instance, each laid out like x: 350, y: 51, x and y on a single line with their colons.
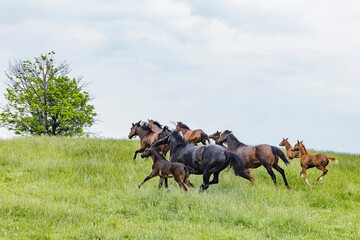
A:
x: 224, y: 135
x: 299, y: 145
x: 283, y: 142
x: 146, y: 153
x: 134, y: 129
x: 215, y: 136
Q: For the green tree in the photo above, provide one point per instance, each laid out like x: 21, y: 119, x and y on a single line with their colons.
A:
x: 43, y: 100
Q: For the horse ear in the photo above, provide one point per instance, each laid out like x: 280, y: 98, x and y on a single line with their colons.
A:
x: 302, y: 141
x: 133, y: 124
x: 287, y: 138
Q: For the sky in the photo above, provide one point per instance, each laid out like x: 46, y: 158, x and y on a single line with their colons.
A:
x: 263, y: 69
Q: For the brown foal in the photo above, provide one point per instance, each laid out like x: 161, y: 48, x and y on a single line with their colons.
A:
x: 290, y: 153
x: 165, y: 169
x: 307, y: 160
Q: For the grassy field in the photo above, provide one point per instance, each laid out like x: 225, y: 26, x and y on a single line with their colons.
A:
x: 63, y: 188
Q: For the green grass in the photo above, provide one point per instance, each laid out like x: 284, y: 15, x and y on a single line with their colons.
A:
x: 66, y: 188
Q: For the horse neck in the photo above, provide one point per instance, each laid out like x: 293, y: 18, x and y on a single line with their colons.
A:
x: 184, y: 130
x: 233, y: 143
x: 155, y: 155
x: 155, y: 128
x: 175, y: 144
x: 287, y: 145
x: 303, y: 151
x: 142, y: 132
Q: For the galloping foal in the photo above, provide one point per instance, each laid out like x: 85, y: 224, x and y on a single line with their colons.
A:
x: 165, y: 169
x: 307, y: 160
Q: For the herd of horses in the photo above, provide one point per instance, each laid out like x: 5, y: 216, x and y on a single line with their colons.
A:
x: 207, y: 159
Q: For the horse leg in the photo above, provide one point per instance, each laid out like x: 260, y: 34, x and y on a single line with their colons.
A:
x: 282, y: 172
x: 322, y: 175
x: 180, y: 182
x: 187, y: 181
x: 303, y: 174
x: 166, y: 183
x: 138, y: 151
x: 271, y: 173
x: 215, y: 179
x: 151, y: 175
x: 205, y: 185
x: 160, y: 182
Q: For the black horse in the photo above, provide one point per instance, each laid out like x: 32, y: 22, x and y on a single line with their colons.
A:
x: 205, y: 160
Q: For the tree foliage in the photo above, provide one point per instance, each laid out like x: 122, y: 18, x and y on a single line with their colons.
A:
x: 43, y: 100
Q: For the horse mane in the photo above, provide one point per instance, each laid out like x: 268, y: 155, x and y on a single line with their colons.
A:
x: 157, y: 124
x: 237, y: 142
x: 306, y: 151
x: 157, y: 154
x: 145, y: 127
x: 182, y: 125
x: 179, y: 137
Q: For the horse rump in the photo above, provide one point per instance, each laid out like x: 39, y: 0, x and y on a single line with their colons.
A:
x: 204, y: 136
x: 277, y: 152
x: 237, y: 163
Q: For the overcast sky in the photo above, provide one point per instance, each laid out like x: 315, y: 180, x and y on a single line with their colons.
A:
x: 263, y: 69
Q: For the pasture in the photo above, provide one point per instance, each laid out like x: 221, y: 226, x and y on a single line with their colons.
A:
x: 77, y: 188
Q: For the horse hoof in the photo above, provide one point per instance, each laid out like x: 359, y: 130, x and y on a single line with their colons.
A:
x: 288, y: 187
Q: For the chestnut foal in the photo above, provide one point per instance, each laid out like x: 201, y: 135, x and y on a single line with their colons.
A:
x: 307, y: 160
x: 290, y: 153
x: 165, y: 169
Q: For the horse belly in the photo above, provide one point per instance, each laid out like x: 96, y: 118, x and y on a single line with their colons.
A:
x: 250, y: 160
x: 165, y: 174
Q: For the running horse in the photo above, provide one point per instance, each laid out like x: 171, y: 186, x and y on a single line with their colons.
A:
x: 307, y: 160
x: 192, y: 136
x: 290, y: 153
x: 165, y: 169
x: 256, y: 156
x: 157, y: 128
x: 147, y: 136
x: 206, y: 160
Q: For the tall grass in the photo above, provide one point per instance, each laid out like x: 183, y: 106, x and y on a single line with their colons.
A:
x: 63, y: 188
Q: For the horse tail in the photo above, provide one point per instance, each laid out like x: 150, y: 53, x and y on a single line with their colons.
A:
x: 238, y: 165
x: 277, y: 152
x: 333, y: 159
x: 205, y: 136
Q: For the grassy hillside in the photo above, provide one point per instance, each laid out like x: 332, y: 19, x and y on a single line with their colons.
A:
x: 62, y: 188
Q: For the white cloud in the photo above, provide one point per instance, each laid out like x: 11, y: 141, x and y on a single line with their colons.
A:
x: 214, y: 64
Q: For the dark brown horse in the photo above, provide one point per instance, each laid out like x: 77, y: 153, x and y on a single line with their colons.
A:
x: 157, y: 128
x: 255, y: 156
x: 206, y: 160
x: 192, y: 136
x: 290, y: 153
x: 307, y: 160
x: 147, y: 136
x: 165, y: 169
